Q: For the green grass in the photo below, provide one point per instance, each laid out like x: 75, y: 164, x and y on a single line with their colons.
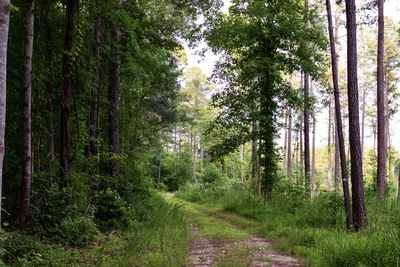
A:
x: 314, y: 229
x: 161, y: 240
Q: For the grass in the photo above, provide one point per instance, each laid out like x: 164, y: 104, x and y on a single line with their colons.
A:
x: 161, y: 240
x: 314, y: 229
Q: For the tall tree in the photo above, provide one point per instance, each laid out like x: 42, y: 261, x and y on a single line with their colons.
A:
x: 27, y: 116
x: 289, y: 145
x: 66, y: 96
x: 114, y: 99
x: 307, y: 165
x: 338, y: 117
x: 359, y: 211
x: 95, y: 91
x: 382, y: 145
x: 4, y: 27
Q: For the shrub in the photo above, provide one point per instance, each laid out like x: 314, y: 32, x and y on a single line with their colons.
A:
x: 211, y: 174
x: 77, y: 231
x: 112, y: 211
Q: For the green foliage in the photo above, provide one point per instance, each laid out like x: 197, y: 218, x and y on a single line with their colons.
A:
x: 77, y: 232
x: 176, y: 170
x: 211, y: 175
x: 112, y: 211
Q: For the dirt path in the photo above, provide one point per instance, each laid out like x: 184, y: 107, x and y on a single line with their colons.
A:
x: 251, y: 250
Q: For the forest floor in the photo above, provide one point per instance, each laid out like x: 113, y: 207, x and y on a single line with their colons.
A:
x: 226, y: 239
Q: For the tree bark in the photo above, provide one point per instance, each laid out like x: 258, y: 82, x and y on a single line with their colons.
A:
x: 241, y: 163
x: 195, y: 153
x: 95, y: 92
x: 359, y: 211
x: 114, y: 99
x: 313, y: 148
x: 66, y: 97
x: 329, y: 176
x: 382, y: 147
x: 254, y: 152
x: 27, y: 117
x: 307, y: 134
x: 289, y: 145
x: 285, y: 143
x: 4, y: 27
x: 338, y: 116
x: 49, y: 90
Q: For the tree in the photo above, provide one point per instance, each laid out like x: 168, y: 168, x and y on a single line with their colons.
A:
x: 66, y: 96
x: 96, y: 86
x: 359, y: 211
x: 338, y: 118
x: 27, y: 117
x: 382, y: 144
x: 114, y: 99
x: 4, y: 27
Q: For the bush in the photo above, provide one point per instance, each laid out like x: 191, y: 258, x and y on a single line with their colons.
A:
x: 112, y: 212
x: 211, y: 175
x: 77, y: 231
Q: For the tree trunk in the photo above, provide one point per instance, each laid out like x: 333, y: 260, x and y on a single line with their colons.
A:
x: 65, y: 138
x: 313, y: 149
x: 363, y: 121
x: 338, y: 116
x: 307, y: 135
x: 359, y: 211
x: 241, y: 163
x: 201, y: 154
x: 49, y: 90
x: 381, y: 168
x: 4, y: 26
x: 301, y: 151
x: 329, y: 176
x: 289, y: 145
x: 114, y: 102
x: 337, y: 158
x: 285, y: 143
x: 195, y: 151
x: 95, y: 92
x: 27, y: 117
x: 254, y: 151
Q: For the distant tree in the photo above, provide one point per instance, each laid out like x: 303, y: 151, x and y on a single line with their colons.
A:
x: 4, y: 27
x: 359, y: 211
x: 26, y: 180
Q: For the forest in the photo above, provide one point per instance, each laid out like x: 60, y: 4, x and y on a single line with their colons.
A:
x: 199, y: 133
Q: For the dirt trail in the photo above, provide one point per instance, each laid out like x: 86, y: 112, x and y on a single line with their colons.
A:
x: 254, y: 252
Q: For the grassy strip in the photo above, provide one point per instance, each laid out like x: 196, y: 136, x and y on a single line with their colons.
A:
x: 314, y: 228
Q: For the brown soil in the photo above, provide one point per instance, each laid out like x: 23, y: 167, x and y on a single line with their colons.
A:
x: 206, y: 252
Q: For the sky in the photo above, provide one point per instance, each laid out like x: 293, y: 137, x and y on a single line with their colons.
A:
x: 207, y: 62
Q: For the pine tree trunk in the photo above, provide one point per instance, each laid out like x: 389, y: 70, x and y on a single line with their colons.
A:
x: 307, y: 135
x: 4, y: 26
x: 313, y: 149
x: 27, y: 117
x: 289, y: 145
x: 382, y: 150
x: 49, y: 90
x: 241, y: 163
x: 65, y: 138
x: 195, y: 153
x: 329, y: 176
x: 285, y: 143
x: 338, y: 116
x: 95, y: 90
x: 114, y: 100
x: 359, y: 211
x: 363, y: 121
x: 337, y: 158
x: 254, y: 151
